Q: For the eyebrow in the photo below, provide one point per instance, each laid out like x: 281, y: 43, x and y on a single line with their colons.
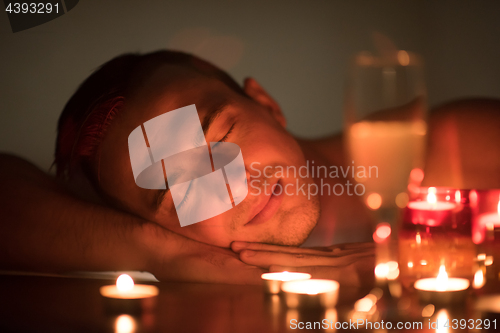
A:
x: 212, y: 114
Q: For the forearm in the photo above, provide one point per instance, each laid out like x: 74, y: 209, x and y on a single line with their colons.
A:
x: 44, y: 228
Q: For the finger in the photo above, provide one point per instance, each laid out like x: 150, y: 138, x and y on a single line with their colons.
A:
x: 351, y: 252
x: 240, y: 246
x: 266, y: 259
x: 337, y: 250
x: 353, y: 246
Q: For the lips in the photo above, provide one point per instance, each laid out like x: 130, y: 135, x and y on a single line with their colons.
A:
x: 266, y: 209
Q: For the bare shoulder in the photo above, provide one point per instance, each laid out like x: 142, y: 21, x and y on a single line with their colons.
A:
x: 464, y: 144
x: 11, y: 164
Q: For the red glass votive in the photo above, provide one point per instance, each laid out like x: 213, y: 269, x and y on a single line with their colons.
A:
x: 444, y: 208
x: 485, y: 206
x: 436, y: 230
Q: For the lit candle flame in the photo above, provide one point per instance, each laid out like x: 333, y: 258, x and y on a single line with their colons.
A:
x: 478, y: 279
x: 431, y: 196
x: 442, y: 279
x: 124, y: 283
x: 498, y: 207
x: 458, y: 197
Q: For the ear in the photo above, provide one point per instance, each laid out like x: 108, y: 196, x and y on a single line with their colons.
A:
x: 255, y: 91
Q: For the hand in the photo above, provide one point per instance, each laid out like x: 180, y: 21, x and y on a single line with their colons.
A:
x: 177, y: 258
x: 349, y: 264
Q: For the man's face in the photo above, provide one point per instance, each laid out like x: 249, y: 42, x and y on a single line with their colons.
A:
x: 263, y: 216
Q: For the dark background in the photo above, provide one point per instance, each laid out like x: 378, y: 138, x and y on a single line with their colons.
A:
x: 298, y: 50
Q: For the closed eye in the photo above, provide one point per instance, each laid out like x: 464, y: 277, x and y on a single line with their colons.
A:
x: 224, y: 139
x: 160, y: 196
x: 188, y: 191
x: 186, y: 196
x: 227, y: 134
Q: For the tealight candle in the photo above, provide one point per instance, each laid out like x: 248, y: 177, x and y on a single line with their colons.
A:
x: 126, y: 296
x: 430, y: 212
x: 312, y: 293
x: 273, y: 281
x: 442, y: 289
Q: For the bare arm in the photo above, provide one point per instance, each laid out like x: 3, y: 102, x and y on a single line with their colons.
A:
x: 44, y: 228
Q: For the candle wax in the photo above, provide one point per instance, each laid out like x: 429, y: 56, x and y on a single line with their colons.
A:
x: 138, y: 291
x: 437, y: 206
x: 430, y: 214
x: 432, y: 284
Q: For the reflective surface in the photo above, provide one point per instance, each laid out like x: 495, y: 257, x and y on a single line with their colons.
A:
x: 49, y: 304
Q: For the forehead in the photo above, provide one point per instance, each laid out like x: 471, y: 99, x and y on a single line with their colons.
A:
x: 170, y: 87
x: 166, y: 89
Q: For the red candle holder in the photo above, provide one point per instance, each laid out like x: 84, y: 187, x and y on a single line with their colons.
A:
x: 436, y: 207
x: 436, y: 231
x: 485, y: 206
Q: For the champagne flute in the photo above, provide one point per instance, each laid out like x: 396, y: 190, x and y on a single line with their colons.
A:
x: 385, y: 130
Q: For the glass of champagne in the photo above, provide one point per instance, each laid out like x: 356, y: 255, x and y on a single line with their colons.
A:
x: 385, y: 130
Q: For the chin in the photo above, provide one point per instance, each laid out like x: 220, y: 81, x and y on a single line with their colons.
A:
x: 293, y: 227
x: 300, y: 229
x: 289, y: 227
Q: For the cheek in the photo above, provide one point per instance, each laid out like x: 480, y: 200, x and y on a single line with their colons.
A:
x: 272, y: 144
